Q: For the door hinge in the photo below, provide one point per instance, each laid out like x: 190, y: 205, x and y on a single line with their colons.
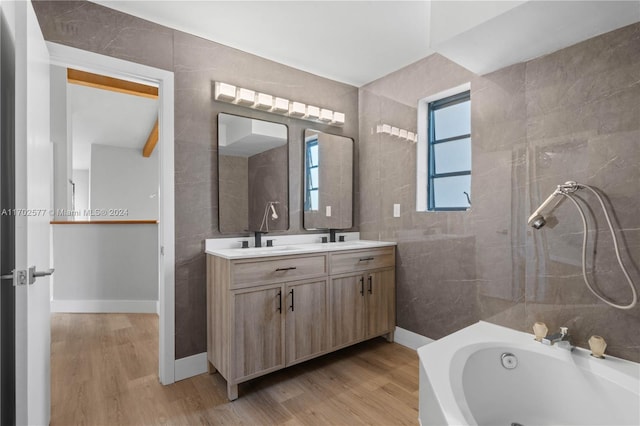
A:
x: 21, y: 278
x: 162, y: 250
x: 17, y: 277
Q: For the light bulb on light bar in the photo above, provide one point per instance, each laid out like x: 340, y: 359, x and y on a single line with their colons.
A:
x: 246, y: 96
x: 313, y: 111
x: 264, y: 101
x: 326, y: 114
x: 281, y: 105
x: 396, y: 131
x: 225, y: 91
x: 297, y: 109
x: 338, y: 117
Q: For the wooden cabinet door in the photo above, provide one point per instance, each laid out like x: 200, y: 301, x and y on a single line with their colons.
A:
x: 306, y: 320
x: 381, y: 304
x: 258, y: 330
x: 347, y: 310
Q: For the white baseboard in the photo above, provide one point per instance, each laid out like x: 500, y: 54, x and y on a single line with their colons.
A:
x: 190, y: 366
x: 105, y: 306
x: 410, y: 339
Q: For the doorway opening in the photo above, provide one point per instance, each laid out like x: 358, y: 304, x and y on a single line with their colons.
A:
x: 85, y: 64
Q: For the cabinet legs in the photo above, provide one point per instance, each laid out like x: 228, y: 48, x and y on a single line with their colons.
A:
x: 232, y: 391
x: 389, y: 336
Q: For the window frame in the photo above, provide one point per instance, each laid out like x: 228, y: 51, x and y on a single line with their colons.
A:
x: 309, y: 188
x: 432, y: 176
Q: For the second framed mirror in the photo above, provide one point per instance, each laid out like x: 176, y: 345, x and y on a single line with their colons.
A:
x: 328, y: 181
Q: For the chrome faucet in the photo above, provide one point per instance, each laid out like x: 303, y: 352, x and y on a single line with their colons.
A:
x: 562, y: 339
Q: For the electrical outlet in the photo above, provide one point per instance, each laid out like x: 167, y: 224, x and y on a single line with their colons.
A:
x: 396, y: 210
x: 328, y: 211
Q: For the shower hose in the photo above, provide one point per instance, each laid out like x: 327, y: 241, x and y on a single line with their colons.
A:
x: 615, y: 245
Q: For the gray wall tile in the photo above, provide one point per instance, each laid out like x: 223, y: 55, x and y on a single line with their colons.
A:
x: 573, y: 114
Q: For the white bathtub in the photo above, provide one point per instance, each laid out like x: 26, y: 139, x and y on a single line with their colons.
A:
x: 463, y: 382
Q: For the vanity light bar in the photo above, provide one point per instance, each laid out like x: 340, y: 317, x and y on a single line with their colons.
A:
x: 250, y: 98
x: 397, y: 132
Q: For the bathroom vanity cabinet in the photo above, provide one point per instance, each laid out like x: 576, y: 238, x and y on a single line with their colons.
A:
x: 267, y: 313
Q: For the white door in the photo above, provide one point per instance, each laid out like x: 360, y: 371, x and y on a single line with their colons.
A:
x: 33, y: 202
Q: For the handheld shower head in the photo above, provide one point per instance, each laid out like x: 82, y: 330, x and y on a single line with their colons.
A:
x: 274, y: 215
x: 538, y: 221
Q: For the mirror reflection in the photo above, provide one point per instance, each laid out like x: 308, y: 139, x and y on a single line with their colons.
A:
x: 253, y: 175
x: 328, y: 181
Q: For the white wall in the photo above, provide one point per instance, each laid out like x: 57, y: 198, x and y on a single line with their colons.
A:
x: 105, y: 268
x: 121, y: 178
x: 81, y: 179
x: 62, y: 147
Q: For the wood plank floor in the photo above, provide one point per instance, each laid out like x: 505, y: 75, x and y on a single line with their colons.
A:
x: 104, y: 372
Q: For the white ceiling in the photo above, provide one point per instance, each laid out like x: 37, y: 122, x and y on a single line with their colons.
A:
x: 107, y: 118
x: 356, y: 42
x: 491, y: 38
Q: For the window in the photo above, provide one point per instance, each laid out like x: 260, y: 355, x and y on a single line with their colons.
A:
x: 311, y: 170
x: 449, y: 153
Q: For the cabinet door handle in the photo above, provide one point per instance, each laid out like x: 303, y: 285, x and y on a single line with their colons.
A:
x: 286, y: 269
x: 279, y: 296
x: 291, y: 293
x: 370, y: 284
x: 366, y: 259
x: 362, y: 286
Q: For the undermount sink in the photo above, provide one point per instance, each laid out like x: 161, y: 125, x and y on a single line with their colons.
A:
x: 267, y: 250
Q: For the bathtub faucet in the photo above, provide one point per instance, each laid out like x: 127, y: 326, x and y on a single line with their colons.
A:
x: 561, y: 339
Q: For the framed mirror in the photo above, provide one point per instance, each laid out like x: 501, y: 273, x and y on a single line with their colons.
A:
x: 253, y: 175
x: 328, y: 181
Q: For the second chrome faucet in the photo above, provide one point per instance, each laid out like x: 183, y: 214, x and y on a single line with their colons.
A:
x: 561, y: 339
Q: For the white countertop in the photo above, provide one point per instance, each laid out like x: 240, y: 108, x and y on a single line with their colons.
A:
x: 290, y: 249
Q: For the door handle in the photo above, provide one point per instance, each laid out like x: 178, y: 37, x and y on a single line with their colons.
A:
x: 279, y: 296
x: 362, y: 286
x: 291, y: 293
x: 370, y: 284
x: 33, y: 274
